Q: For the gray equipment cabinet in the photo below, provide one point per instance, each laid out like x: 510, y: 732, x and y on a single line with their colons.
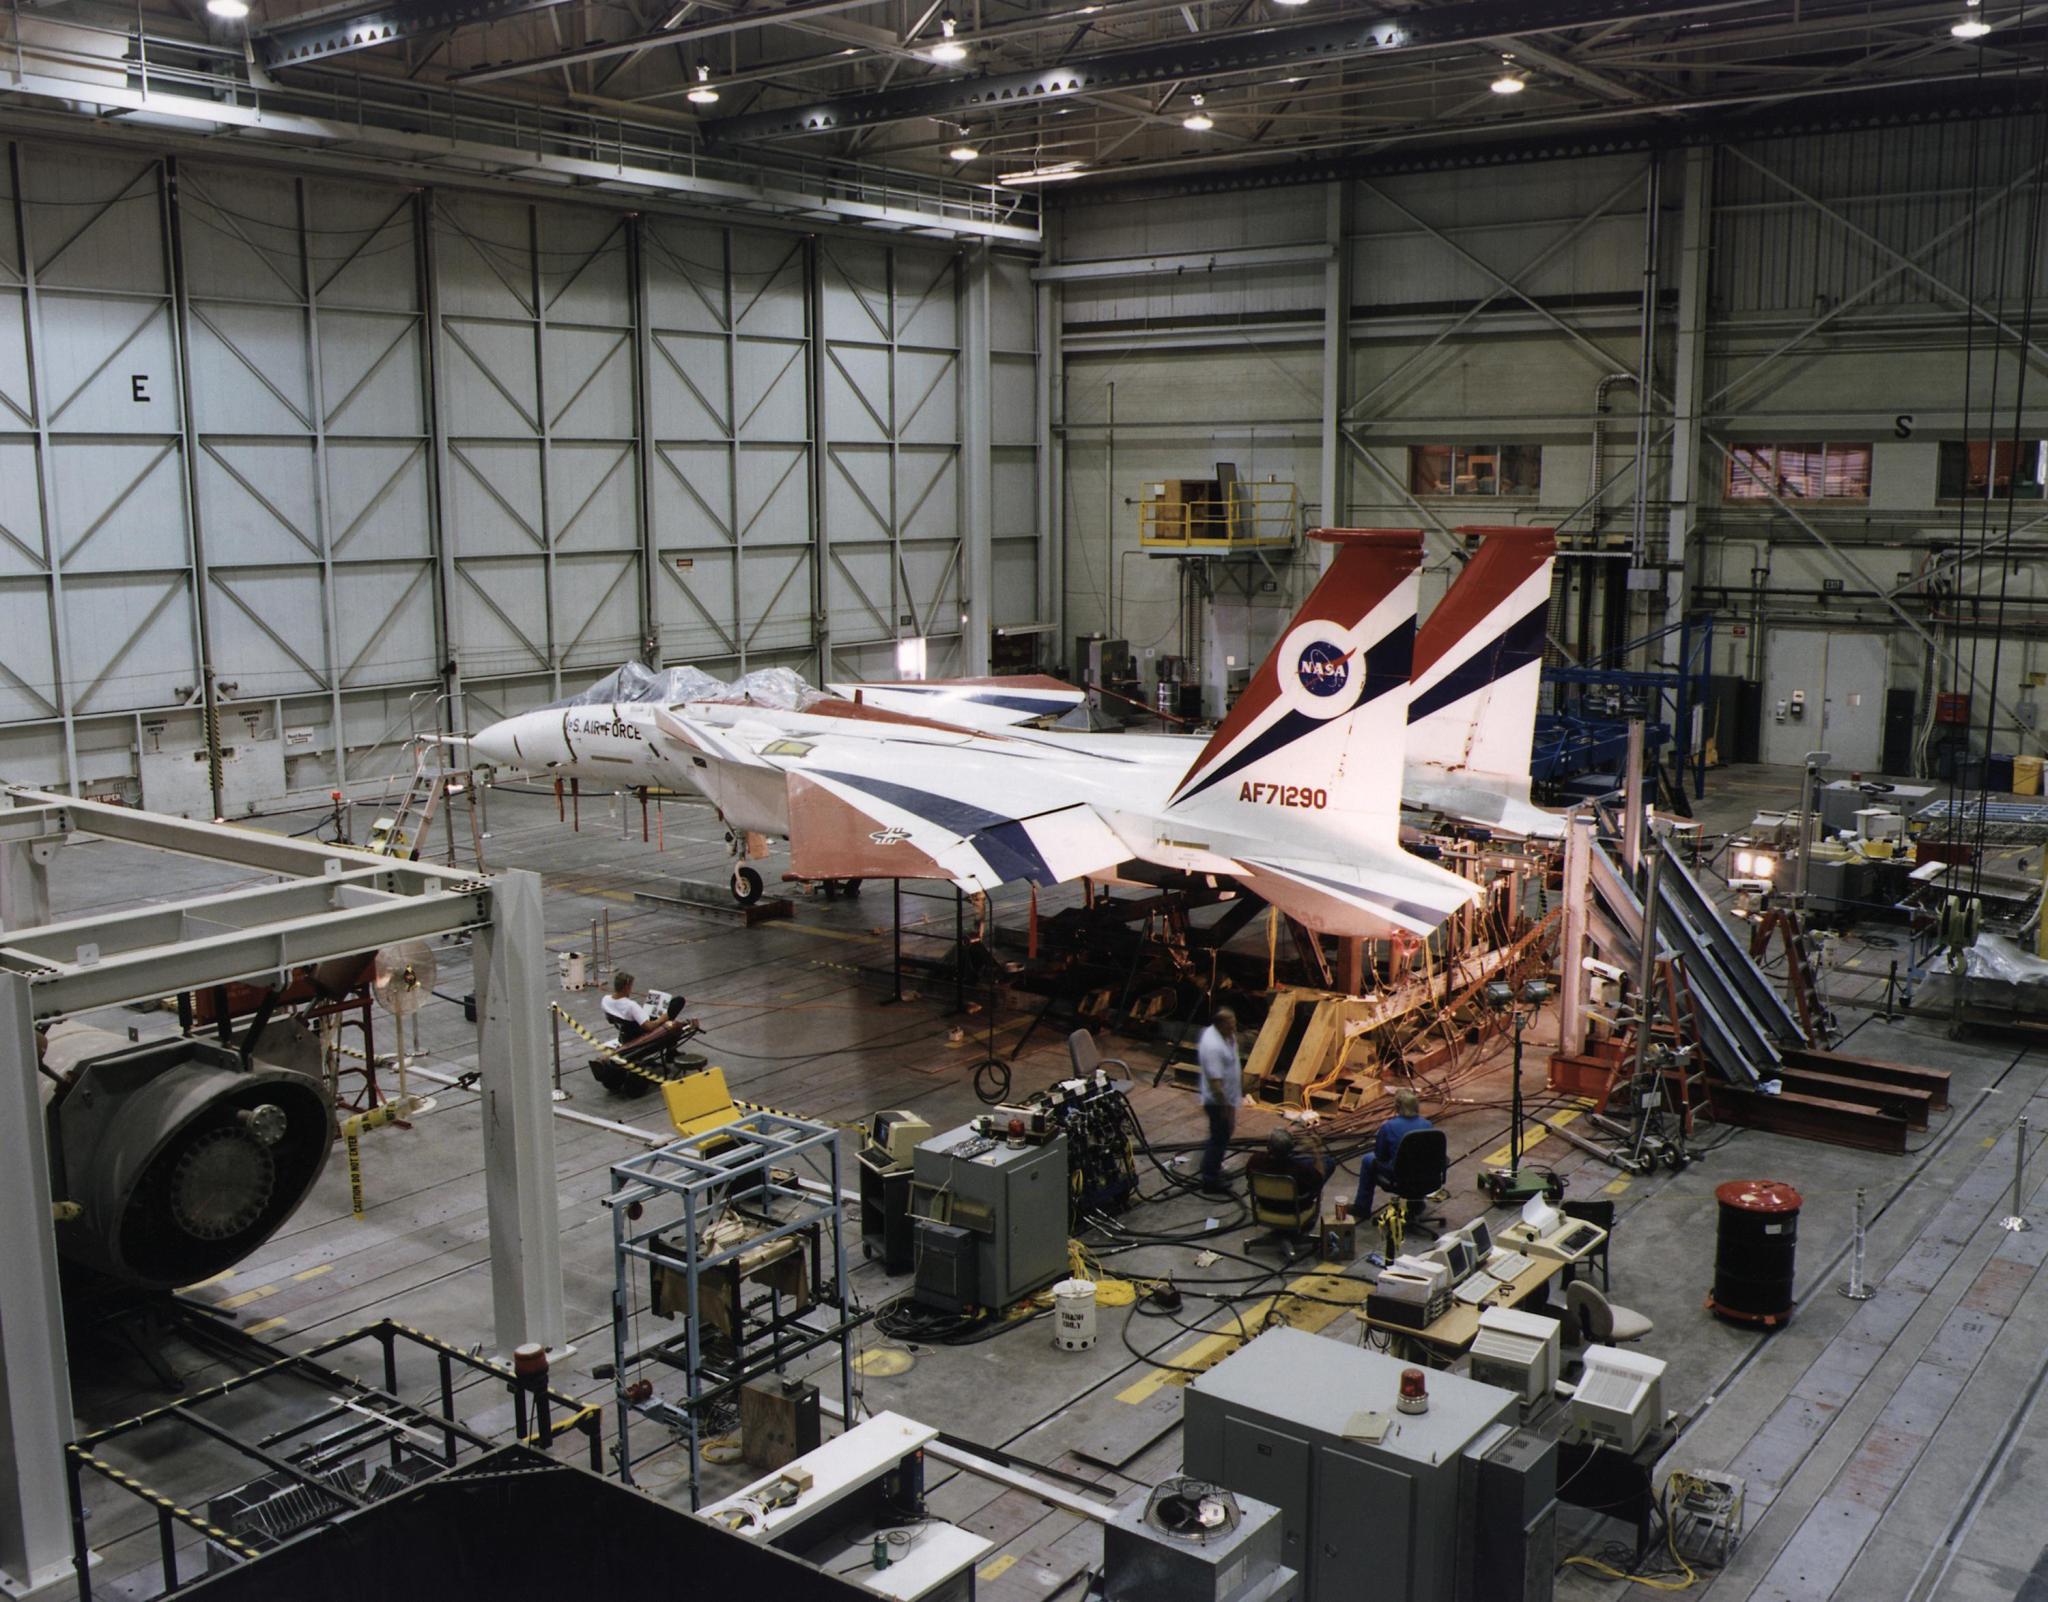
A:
x: 1361, y: 1522
x: 1011, y: 1199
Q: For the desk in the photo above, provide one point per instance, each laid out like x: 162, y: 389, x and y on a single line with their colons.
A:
x: 1607, y: 1480
x: 1453, y: 1334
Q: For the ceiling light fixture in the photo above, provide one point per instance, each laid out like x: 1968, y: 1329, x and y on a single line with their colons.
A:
x: 1972, y: 25
x: 228, y: 10
x: 1198, y: 120
x: 702, y: 94
x: 1290, y: 2
x: 1056, y: 172
x: 963, y: 153
x: 1510, y: 82
x: 948, y: 49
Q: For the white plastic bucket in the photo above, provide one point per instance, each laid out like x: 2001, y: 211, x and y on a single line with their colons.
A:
x: 1073, y: 1314
x: 572, y: 970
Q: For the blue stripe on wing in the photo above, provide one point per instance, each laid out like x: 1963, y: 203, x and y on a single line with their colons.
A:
x: 1009, y: 703
x: 1376, y: 901
x: 1004, y: 843
x: 1515, y: 647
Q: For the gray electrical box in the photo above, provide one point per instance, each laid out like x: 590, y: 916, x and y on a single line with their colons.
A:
x: 1011, y: 1199
x: 1508, y: 1512
x: 1359, y: 1519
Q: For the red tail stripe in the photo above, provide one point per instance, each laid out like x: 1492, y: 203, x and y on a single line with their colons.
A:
x: 1368, y: 565
x: 1507, y: 556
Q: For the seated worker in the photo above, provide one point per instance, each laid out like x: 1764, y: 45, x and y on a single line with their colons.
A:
x: 1283, y: 1156
x: 639, y: 1028
x: 1379, y: 1167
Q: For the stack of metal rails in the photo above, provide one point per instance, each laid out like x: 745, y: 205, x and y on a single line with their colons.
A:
x: 1766, y: 1072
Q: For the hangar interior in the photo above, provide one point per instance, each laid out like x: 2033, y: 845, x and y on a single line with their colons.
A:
x: 1144, y: 801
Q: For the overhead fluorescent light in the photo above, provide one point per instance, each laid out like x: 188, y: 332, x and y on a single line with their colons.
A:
x: 1510, y: 82
x: 1052, y: 174
x: 1197, y: 120
x: 948, y: 49
x: 228, y: 10
x: 1972, y: 25
x: 701, y: 93
x: 963, y: 153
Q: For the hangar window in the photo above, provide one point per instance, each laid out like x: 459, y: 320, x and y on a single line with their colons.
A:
x: 1475, y: 469
x: 1800, y: 472
x: 1971, y: 469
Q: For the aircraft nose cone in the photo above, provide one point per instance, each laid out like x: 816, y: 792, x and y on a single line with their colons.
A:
x: 494, y: 747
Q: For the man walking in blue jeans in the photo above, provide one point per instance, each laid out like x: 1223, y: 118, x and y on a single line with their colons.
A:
x: 1222, y: 1090
x: 1379, y: 1167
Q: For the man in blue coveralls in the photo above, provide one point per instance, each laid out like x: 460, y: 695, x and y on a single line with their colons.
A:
x: 1378, y: 1169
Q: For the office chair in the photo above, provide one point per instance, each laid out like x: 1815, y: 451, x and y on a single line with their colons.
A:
x: 1422, y: 1162
x: 1597, y: 1321
x: 1086, y: 1059
x: 1600, y: 1213
x: 1288, y: 1210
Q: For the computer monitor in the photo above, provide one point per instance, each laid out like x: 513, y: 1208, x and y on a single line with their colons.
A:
x: 1460, y: 1258
x: 1481, y: 1238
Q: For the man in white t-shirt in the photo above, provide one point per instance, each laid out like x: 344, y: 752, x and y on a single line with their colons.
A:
x: 640, y: 1026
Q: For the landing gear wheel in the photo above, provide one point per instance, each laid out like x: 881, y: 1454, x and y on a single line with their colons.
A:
x: 747, y: 886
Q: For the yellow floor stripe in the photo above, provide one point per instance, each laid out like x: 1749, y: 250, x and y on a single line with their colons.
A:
x: 244, y: 1298
x: 265, y: 1327
x: 1499, y: 1159
x: 314, y: 1273
x: 996, y: 1568
x: 1614, y: 1187
x: 1335, y: 1292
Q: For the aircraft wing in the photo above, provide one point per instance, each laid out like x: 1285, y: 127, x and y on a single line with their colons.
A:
x: 1370, y: 895
x: 873, y: 809
x: 990, y: 703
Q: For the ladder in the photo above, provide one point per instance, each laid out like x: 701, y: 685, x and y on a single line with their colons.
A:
x: 401, y: 830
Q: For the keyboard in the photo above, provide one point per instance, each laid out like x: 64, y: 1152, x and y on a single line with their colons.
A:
x: 1584, y: 1238
x: 1505, y: 1266
x: 1476, y: 1289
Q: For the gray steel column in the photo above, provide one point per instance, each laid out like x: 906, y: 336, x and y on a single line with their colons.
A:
x: 35, y: 1377
x: 976, y: 392
x: 643, y: 431
x: 814, y: 363
x: 435, y: 398
x: 1330, y: 496
x: 35, y: 360
x: 202, y: 581
x: 323, y: 520
x: 1047, y: 420
x: 25, y: 883
x: 519, y: 1125
x: 1688, y: 386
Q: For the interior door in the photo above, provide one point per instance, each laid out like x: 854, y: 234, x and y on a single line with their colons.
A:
x: 1840, y: 678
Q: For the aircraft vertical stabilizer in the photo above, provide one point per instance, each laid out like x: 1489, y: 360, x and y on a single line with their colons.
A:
x: 1478, y: 670
x: 1314, y: 744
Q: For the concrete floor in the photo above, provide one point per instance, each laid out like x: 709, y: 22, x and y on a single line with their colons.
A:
x: 1886, y: 1445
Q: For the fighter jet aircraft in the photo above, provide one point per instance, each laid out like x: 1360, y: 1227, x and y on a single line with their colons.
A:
x: 1297, y: 795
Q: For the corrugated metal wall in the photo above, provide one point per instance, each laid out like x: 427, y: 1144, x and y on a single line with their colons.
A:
x: 439, y: 430
x: 1839, y: 272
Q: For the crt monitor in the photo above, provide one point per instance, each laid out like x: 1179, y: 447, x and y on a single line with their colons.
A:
x: 1481, y: 1238
x: 1459, y: 1255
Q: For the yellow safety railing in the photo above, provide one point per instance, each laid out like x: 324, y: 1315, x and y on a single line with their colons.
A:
x: 1218, y: 515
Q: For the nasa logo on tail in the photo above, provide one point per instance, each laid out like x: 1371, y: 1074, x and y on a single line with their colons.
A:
x: 1323, y: 668
x: 1323, y: 672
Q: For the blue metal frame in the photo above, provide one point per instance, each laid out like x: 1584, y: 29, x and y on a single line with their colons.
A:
x: 1575, y: 738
